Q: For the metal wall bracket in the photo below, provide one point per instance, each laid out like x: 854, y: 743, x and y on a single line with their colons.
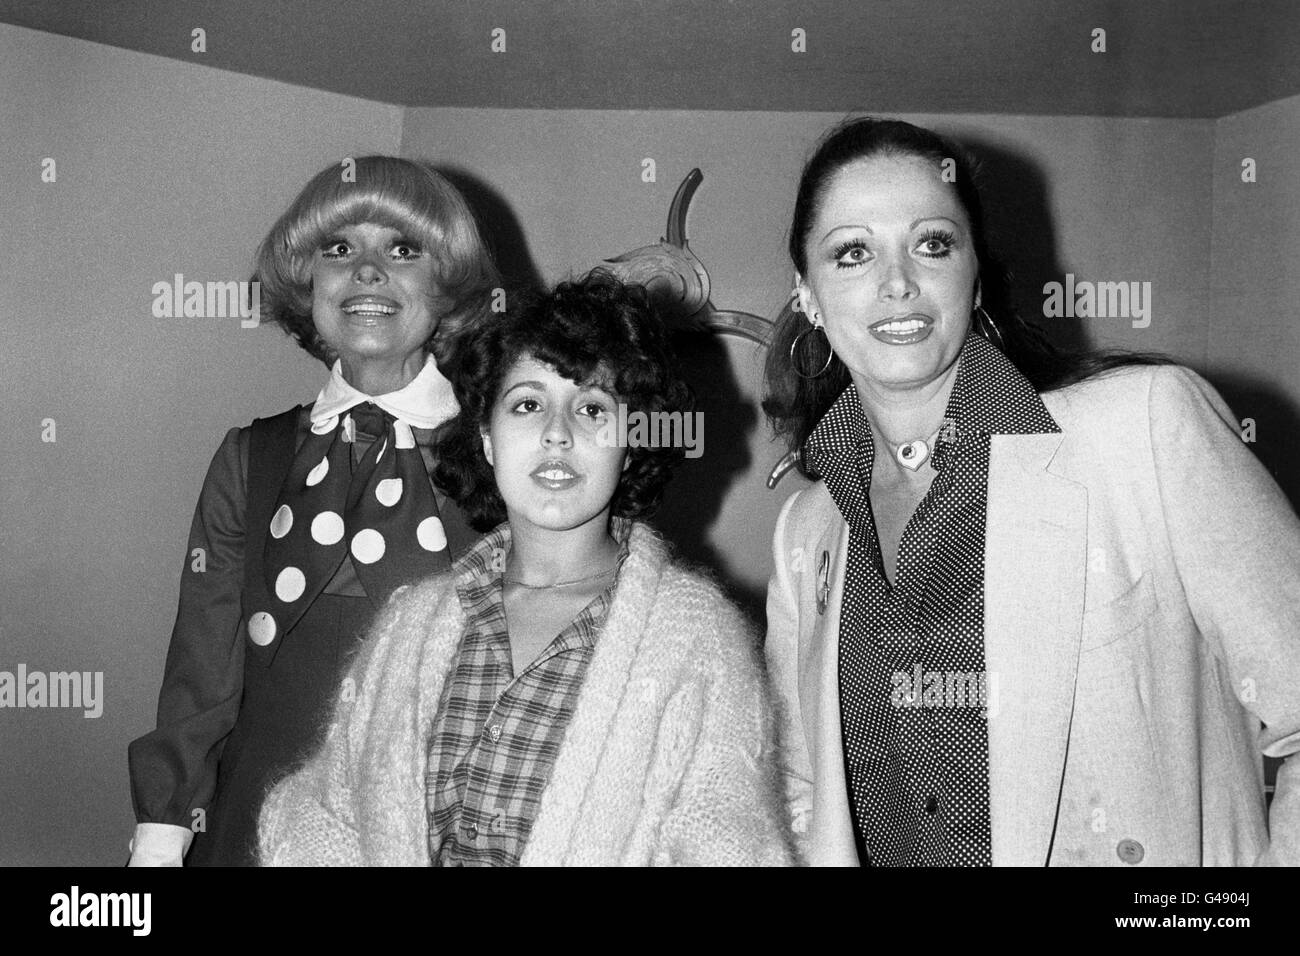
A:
x: 679, y: 284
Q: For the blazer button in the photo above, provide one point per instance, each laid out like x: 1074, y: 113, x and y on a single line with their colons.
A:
x: 1130, y: 851
x: 932, y: 805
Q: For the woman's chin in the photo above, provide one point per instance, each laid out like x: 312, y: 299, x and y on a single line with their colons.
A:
x: 904, y: 367
x: 900, y: 375
x: 361, y: 359
x: 553, y: 516
x: 373, y: 350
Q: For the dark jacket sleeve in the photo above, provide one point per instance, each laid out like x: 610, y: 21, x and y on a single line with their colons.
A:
x: 174, y: 768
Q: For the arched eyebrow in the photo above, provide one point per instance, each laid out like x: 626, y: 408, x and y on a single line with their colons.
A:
x: 947, y: 219
x: 528, y: 384
x: 910, y: 226
x: 848, y: 225
x: 597, y: 385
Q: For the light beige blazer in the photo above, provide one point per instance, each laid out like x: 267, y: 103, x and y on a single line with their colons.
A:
x: 1142, y: 618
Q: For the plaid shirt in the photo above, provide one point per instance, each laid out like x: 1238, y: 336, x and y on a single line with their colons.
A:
x: 496, y: 737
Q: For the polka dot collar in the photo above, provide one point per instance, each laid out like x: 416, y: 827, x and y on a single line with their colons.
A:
x: 989, y: 397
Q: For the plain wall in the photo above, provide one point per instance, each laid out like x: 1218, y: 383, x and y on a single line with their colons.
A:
x: 167, y: 167
x: 1254, y: 332
x: 163, y: 167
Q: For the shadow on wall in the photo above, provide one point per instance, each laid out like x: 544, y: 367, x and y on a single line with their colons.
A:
x: 500, y: 228
x: 1276, y: 418
x: 1021, y: 234
x: 695, y: 496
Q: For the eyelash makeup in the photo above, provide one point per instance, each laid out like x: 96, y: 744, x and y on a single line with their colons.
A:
x: 843, y: 248
x: 414, y: 250
x: 943, y: 236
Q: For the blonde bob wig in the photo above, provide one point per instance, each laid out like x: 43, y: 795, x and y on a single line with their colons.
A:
x: 403, y: 194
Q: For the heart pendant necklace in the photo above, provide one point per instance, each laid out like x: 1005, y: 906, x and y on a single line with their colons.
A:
x: 913, y: 454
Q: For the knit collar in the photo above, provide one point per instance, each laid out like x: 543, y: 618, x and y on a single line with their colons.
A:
x: 424, y: 402
x: 989, y: 397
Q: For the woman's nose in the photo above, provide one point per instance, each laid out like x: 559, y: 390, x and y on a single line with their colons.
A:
x: 556, y: 432
x: 897, y: 280
x: 370, y: 269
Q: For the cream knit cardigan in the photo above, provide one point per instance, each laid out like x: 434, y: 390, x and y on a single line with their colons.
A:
x: 668, y: 758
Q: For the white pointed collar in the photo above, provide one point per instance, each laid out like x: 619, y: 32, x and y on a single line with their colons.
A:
x: 424, y: 402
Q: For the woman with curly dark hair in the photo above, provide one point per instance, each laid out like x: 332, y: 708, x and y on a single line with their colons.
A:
x: 568, y: 693
x: 310, y: 519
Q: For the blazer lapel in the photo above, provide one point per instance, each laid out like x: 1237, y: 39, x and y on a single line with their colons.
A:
x: 831, y: 840
x: 1034, y: 565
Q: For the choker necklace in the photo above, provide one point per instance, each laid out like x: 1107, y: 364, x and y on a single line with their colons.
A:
x: 913, y: 454
x: 561, y: 584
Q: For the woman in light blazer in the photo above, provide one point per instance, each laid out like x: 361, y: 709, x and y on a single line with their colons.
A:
x: 1035, y: 609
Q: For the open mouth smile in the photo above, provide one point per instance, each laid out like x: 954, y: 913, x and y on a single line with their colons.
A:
x: 903, y: 329
x: 554, y: 474
x: 369, y: 306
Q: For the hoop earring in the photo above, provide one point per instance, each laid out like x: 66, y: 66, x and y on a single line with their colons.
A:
x: 988, y: 323
x: 830, y: 353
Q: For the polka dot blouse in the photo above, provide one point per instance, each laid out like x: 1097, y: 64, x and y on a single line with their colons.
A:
x: 913, y: 685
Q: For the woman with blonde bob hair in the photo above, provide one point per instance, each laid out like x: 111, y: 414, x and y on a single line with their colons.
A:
x: 412, y: 198
x: 311, y: 518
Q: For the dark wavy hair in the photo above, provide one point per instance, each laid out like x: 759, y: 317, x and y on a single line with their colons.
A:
x: 404, y: 194
x: 591, y: 330
x: 794, y: 405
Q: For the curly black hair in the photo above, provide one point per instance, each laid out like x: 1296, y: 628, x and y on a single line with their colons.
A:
x: 594, y: 329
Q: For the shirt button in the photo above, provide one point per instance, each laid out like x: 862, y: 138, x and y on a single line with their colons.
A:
x: 471, y: 833
x: 1130, y: 851
x: 932, y: 805
x: 494, y: 732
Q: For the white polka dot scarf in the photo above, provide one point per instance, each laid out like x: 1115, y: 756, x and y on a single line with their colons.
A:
x: 382, y: 512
